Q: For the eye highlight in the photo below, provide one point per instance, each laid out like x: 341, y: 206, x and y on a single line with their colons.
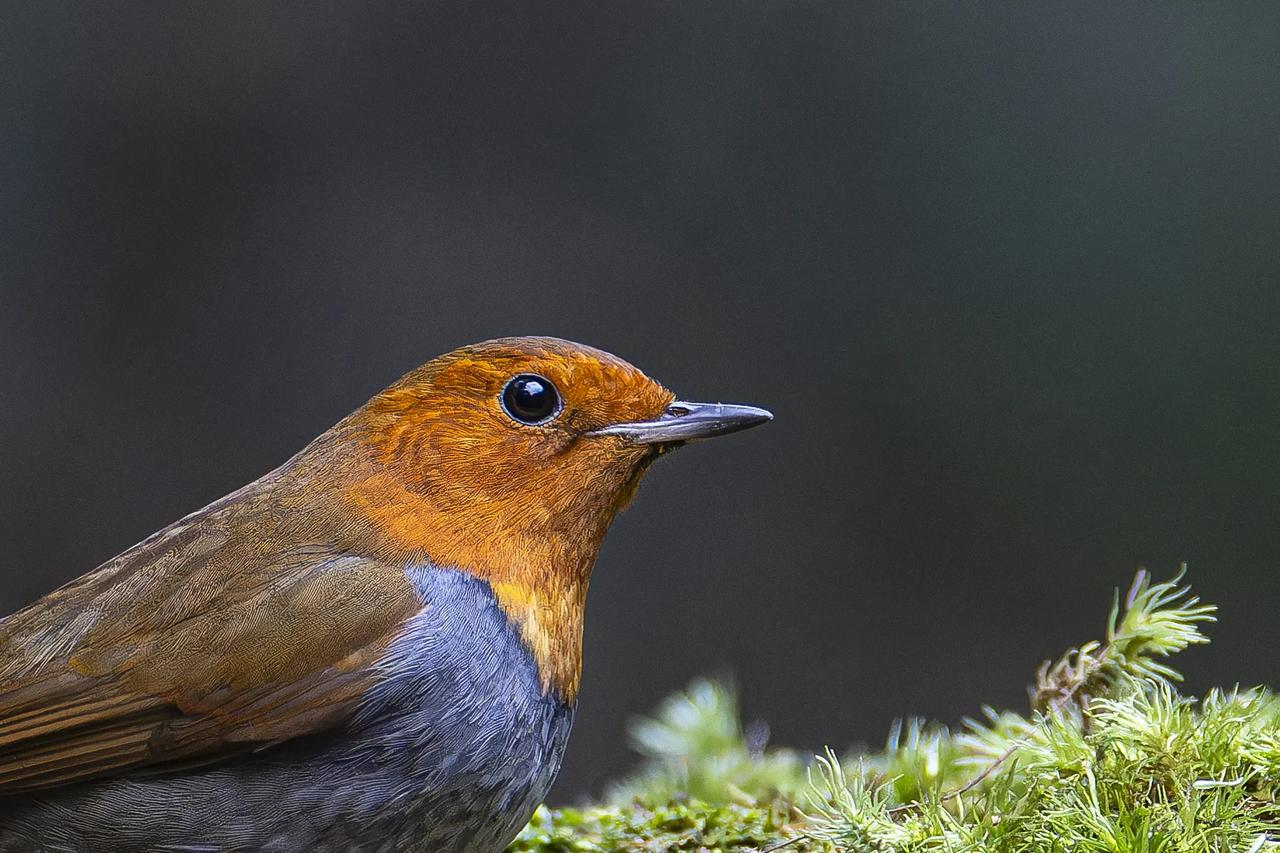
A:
x: 531, y: 399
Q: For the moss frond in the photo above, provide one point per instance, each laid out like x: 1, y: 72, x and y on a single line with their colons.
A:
x: 696, y: 747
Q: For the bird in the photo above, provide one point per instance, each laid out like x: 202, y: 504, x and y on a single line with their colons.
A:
x: 377, y: 646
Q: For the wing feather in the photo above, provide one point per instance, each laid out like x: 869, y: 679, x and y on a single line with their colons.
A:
x: 237, y: 627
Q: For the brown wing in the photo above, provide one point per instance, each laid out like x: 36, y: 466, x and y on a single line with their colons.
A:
x: 228, y: 630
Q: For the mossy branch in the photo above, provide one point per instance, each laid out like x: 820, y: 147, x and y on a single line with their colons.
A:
x: 1110, y: 757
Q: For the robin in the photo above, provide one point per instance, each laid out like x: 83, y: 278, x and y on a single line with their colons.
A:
x: 375, y: 647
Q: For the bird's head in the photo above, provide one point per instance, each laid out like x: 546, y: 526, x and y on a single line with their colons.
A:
x: 508, y: 459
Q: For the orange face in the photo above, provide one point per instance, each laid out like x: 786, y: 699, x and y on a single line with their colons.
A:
x: 508, y: 460
x: 511, y: 419
x: 489, y: 461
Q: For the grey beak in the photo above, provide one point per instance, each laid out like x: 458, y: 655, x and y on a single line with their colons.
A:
x: 689, y: 421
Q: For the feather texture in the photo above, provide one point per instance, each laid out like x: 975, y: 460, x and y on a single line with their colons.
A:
x: 214, y: 635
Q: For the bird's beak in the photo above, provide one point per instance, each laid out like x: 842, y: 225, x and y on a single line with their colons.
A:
x: 683, y: 422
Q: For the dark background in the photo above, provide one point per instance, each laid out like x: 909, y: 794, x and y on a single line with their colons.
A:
x: 1006, y: 273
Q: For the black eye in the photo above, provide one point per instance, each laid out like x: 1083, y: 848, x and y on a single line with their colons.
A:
x: 531, y: 399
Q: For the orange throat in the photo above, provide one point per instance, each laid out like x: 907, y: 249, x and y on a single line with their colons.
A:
x: 550, y: 623
x: 538, y: 571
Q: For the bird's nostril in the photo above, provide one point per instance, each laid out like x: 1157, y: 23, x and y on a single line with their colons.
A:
x: 676, y: 410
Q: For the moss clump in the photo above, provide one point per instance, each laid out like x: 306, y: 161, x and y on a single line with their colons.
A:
x: 1109, y: 758
x: 675, y: 825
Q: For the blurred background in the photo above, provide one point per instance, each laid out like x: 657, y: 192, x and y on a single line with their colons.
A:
x: 1006, y: 273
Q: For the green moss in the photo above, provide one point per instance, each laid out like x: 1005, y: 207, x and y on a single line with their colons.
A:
x: 1109, y: 758
x: 688, y: 825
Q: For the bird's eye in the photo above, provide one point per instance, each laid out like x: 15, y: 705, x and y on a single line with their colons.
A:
x: 531, y: 399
